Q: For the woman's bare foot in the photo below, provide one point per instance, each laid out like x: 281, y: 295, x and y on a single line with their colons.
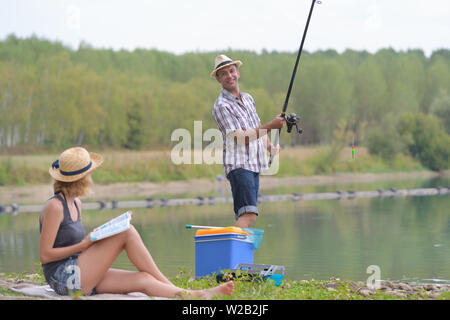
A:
x: 224, y: 289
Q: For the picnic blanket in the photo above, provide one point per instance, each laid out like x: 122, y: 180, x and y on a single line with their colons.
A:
x: 47, y: 293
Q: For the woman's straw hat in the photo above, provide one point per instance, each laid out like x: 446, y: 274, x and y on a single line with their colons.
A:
x: 222, y: 61
x: 74, y: 164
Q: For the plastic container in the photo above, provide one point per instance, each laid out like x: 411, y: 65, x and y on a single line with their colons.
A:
x: 221, y: 248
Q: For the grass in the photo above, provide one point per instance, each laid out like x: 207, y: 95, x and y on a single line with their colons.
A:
x: 156, y: 166
x: 35, y: 277
x: 333, y: 289
x: 255, y: 289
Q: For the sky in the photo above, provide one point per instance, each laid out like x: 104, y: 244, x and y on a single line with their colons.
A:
x: 180, y: 26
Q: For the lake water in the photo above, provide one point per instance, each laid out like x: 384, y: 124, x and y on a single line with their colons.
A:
x: 408, y: 238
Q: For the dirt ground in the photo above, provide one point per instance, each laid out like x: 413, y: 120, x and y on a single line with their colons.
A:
x: 37, y: 194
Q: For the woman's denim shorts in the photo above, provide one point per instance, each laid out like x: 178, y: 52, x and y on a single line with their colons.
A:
x: 244, y: 187
x: 66, y: 279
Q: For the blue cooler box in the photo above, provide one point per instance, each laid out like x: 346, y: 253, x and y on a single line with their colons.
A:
x: 221, y: 248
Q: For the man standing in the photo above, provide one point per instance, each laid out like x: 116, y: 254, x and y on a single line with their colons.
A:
x: 245, y: 140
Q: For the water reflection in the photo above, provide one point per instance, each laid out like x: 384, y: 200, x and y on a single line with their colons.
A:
x: 407, y: 237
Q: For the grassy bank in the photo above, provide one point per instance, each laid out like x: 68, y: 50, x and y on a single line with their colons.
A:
x: 333, y: 289
x: 156, y: 166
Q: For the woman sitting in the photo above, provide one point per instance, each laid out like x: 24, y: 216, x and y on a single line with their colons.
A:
x: 72, y: 262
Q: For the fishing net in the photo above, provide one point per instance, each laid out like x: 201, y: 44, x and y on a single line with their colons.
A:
x: 254, y: 236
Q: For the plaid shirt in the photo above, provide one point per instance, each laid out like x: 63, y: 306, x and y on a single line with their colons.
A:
x: 232, y: 114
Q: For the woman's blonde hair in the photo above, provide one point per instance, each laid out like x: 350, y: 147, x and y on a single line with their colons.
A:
x: 74, y: 189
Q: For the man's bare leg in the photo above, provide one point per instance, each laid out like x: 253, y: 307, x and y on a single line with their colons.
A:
x: 246, y: 220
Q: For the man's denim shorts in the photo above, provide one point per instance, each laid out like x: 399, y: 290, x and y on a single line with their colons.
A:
x: 244, y: 187
x: 66, y: 279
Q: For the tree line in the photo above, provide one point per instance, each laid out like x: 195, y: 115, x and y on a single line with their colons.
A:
x: 54, y: 96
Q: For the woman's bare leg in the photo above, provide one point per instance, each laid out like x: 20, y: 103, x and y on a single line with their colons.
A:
x: 95, y: 272
x: 95, y: 261
x: 122, y: 281
x: 140, y: 256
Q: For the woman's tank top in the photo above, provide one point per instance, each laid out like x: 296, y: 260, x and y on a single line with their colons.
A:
x: 69, y: 233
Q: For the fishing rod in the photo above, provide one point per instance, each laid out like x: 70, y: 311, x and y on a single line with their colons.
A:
x: 292, y: 119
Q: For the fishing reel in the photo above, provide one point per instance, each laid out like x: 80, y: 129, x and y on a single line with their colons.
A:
x: 292, y: 120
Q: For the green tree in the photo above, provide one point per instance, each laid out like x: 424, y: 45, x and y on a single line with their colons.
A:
x: 426, y: 140
x: 135, y: 138
x: 385, y: 140
x: 437, y: 79
x: 441, y: 108
x: 54, y: 96
x: 371, y: 95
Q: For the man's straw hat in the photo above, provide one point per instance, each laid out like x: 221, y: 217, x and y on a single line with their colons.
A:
x: 74, y: 164
x: 222, y: 61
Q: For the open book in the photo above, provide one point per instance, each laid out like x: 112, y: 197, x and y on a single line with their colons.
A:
x: 112, y: 227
